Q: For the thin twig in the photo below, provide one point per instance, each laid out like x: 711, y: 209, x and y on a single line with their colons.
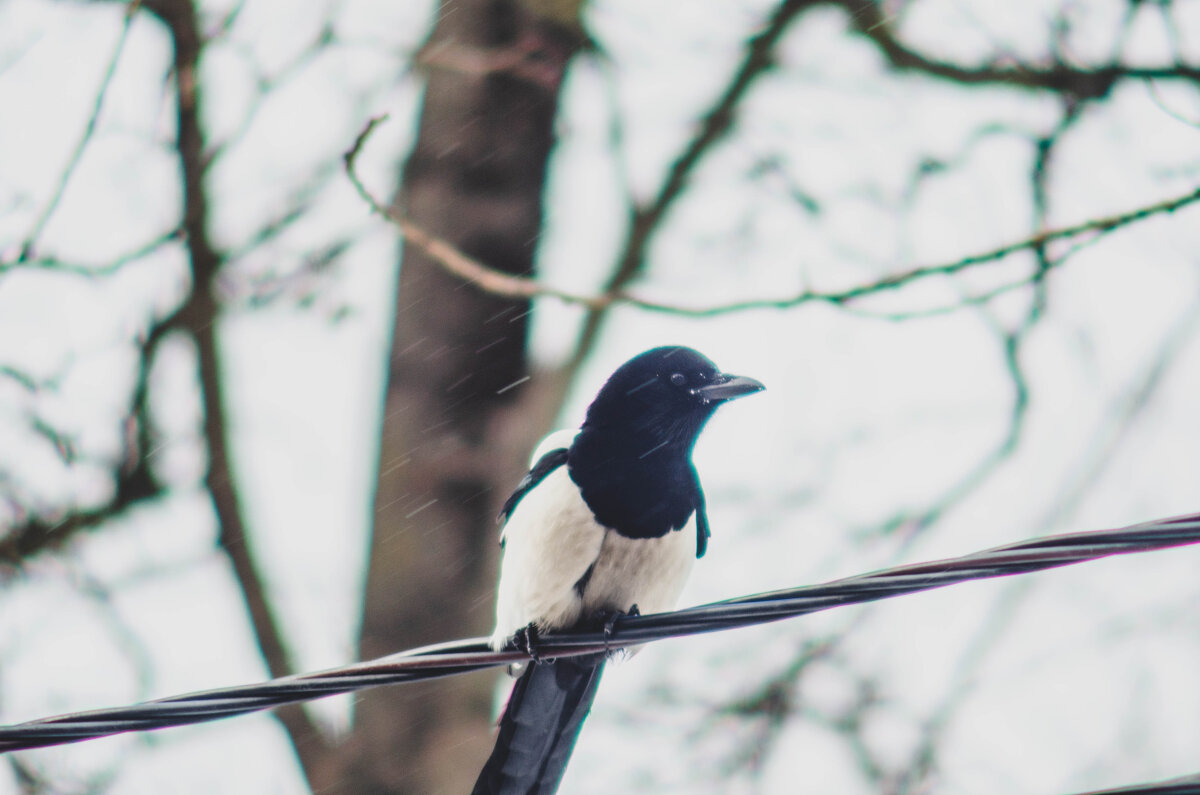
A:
x: 1087, y: 83
x: 447, y: 254
x: 89, y: 130
x: 507, y: 285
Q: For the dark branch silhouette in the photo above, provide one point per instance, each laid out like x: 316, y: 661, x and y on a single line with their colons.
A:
x: 508, y: 285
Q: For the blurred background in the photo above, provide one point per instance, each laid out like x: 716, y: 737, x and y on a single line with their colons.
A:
x: 249, y: 426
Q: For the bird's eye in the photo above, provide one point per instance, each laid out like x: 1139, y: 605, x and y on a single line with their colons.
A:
x: 678, y: 379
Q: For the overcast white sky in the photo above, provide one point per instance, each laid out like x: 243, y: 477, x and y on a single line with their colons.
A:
x: 1061, y: 681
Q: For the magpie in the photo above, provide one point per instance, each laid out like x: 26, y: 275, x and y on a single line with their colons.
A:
x: 607, y: 522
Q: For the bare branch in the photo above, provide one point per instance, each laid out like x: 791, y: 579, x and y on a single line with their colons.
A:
x: 868, y: 18
x: 27, y: 248
x: 497, y: 282
x: 716, y: 124
x: 96, y: 271
x: 445, y: 254
x: 134, y: 482
x: 903, y: 278
x: 199, y: 316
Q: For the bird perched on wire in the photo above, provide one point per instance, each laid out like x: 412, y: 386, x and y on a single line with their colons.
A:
x: 607, y: 522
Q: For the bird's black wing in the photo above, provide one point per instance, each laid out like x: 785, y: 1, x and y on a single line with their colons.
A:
x: 544, y: 466
x: 702, y: 531
x: 539, y: 727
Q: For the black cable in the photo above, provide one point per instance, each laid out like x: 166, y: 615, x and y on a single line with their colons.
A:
x: 1188, y: 785
x: 457, y: 657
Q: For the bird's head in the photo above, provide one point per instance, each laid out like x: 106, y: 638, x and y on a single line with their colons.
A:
x: 667, y: 393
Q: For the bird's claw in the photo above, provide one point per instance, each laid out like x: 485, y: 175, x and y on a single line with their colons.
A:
x: 526, y: 640
x: 608, y: 621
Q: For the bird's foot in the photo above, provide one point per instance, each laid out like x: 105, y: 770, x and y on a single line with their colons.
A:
x: 608, y: 622
x: 526, y: 641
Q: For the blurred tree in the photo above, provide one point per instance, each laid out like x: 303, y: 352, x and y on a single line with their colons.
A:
x: 458, y: 365
x: 760, y: 191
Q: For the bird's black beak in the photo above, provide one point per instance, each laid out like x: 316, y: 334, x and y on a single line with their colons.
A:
x: 728, y: 387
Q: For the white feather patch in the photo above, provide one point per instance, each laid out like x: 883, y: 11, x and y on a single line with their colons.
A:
x: 551, y: 540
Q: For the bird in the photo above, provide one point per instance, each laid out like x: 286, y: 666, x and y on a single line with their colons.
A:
x: 608, y: 522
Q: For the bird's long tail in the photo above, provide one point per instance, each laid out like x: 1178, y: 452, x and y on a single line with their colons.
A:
x: 537, y: 732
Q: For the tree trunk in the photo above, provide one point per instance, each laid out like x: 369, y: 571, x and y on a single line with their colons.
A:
x: 450, y: 434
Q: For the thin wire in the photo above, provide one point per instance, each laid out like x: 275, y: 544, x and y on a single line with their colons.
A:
x: 473, y: 654
x: 1188, y: 785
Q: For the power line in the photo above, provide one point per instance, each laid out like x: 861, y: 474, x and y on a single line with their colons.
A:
x: 1188, y: 785
x: 457, y: 657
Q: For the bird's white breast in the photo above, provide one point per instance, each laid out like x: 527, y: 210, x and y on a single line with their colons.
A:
x: 550, y: 542
x: 647, y: 572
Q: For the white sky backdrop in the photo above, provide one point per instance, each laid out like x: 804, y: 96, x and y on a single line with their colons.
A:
x: 1065, y: 680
